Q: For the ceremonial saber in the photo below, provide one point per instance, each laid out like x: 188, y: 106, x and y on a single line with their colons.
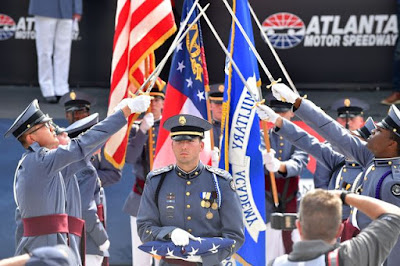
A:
x: 266, y: 136
x: 178, y: 38
x: 246, y: 37
x: 278, y: 60
x: 252, y: 94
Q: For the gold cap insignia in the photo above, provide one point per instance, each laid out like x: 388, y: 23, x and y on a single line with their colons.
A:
x: 182, y: 120
x: 72, y: 95
x: 347, y: 102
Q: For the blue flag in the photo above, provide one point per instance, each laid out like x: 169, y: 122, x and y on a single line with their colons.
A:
x: 240, y: 152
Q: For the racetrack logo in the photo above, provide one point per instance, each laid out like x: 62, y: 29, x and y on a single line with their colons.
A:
x: 286, y: 30
x: 7, y: 27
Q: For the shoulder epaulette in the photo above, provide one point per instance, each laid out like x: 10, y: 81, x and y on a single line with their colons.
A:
x: 219, y: 172
x: 160, y: 171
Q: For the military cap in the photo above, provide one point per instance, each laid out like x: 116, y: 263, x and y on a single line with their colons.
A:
x: 30, y: 117
x: 82, y: 125
x: 392, y: 120
x: 350, y: 107
x: 280, y: 107
x: 158, y: 90
x: 186, y: 127
x: 216, y: 93
x: 60, y: 255
x: 77, y: 100
x: 366, y: 130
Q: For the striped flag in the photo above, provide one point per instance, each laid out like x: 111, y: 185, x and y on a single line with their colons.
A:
x: 140, y: 28
x: 185, y: 93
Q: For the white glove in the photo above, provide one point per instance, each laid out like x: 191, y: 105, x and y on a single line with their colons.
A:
x: 215, y: 157
x: 105, y: 246
x: 271, y: 163
x: 180, y: 237
x: 283, y: 93
x: 139, y: 104
x: 266, y: 113
x: 147, y: 122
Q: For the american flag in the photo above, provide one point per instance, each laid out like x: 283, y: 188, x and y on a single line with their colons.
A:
x: 185, y: 89
x: 140, y: 28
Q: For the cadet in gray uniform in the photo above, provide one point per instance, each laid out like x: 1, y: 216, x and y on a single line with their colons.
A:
x: 140, y: 152
x: 350, y: 115
x: 73, y: 203
x: 379, y: 155
x: 216, y: 96
x: 97, y: 242
x: 189, y: 199
x: 77, y: 106
x: 320, y: 224
x: 43, y: 209
x: 287, y: 167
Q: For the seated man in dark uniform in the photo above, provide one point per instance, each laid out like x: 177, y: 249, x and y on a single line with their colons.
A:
x: 190, y: 199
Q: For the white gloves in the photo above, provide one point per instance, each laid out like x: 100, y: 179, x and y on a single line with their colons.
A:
x: 271, y: 163
x: 147, y: 122
x: 266, y: 113
x: 283, y: 93
x: 105, y: 246
x: 215, y: 157
x: 180, y: 237
x: 139, y: 104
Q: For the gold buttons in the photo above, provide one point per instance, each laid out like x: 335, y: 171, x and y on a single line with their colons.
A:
x: 280, y: 151
x: 280, y: 158
x: 365, y: 178
x: 280, y: 137
x: 373, y: 168
x: 188, y: 206
x: 344, y: 170
x: 179, y: 173
x: 341, y: 178
x: 281, y: 144
x: 196, y: 173
x: 390, y: 162
x: 353, y: 164
x: 147, y: 231
x: 188, y: 183
x: 190, y: 230
x: 189, y: 218
x: 188, y: 193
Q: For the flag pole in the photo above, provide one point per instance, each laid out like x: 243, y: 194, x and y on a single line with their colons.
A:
x: 253, y: 95
x: 278, y: 60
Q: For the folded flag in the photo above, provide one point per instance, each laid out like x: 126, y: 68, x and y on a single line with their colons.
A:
x: 199, y: 247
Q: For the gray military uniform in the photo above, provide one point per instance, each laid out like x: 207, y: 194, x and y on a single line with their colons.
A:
x: 381, y: 177
x: 369, y: 248
x: 89, y: 187
x: 41, y: 170
x: 216, y: 132
x: 295, y: 160
x: 137, y: 153
x: 178, y: 206
x: 326, y: 157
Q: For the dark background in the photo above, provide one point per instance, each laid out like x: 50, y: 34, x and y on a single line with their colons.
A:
x: 309, y: 67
